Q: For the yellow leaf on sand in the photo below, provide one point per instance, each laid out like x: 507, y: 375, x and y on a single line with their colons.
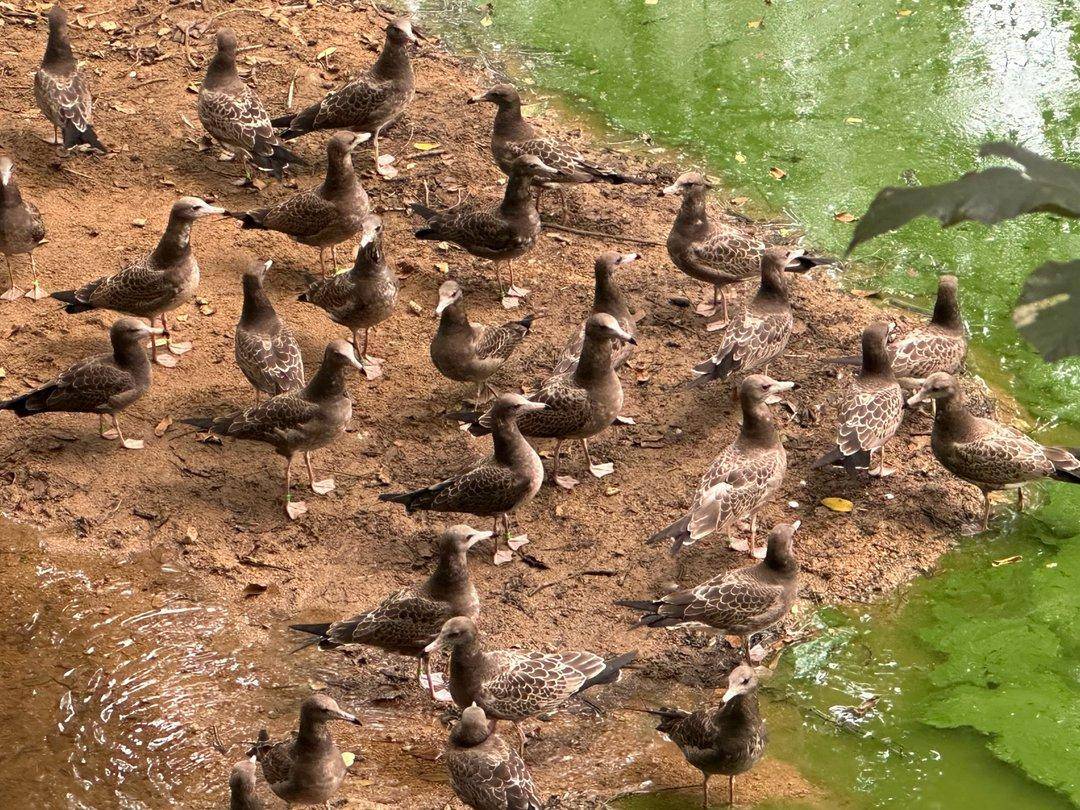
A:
x: 326, y: 52
x: 777, y: 172
x: 838, y: 504
x: 423, y: 146
x: 844, y: 216
x: 348, y: 757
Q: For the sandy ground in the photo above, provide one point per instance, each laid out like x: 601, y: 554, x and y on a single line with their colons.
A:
x: 214, y: 508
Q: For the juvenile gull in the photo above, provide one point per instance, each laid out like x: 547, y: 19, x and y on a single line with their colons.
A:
x: 61, y: 90
x: 299, y: 421
x: 503, y: 233
x: 266, y: 351
x: 495, y: 486
x: 714, y: 252
x: 104, y: 384
x: 986, y: 453
x: 156, y: 284
x: 578, y: 405
x: 365, y: 296
x: 370, y: 101
x: 763, y: 331
x: 324, y: 216
x: 409, y: 619
x: 242, y: 794
x: 938, y: 346
x: 740, y: 602
x: 515, y: 684
x: 872, y: 409
x: 21, y: 226
x: 485, y: 771
x: 512, y: 136
x: 607, y: 298
x: 464, y: 351
x: 233, y: 114
x: 728, y: 739
x: 306, y: 767
x: 743, y: 478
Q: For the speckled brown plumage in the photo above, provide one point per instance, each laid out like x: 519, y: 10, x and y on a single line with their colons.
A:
x: 495, y: 486
x: 607, y: 298
x: 762, y: 332
x: 728, y: 739
x: 512, y: 136
x: 266, y: 351
x: 743, y: 478
x: 464, y: 351
x: 485, y: 771
x: 233, y: 114
x: 104, y: 384
x: 872, y: 408
x: 365, y: 296
x: 515, y: 685
x: 409, y: 619
x: 369, y: 102
x: 21, y: 226
x: 986, y: 453
x: 61, y: 90
x: 324, y: 216
x: 740, y: 602
x: 306, y: 767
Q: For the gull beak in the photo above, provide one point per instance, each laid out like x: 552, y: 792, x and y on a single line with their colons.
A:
x: 360, y: 138
x: 550, y: 172
x: 348, y: 718
x: 153, y: 330
x: 626, y: 337
x: 5, y: 176
x: 210, y: 210
x: 269, y: 263
x: 443, y: 304
x: 434, y: 646
x: 368, y: 237
x: 477, y: 98
x: 919, y: 396
x: 667, y: 191
x: 476, y: 537
x: 795, y: 526
x: 530, y: 406
x: 409, y: 33
x: 626, y: 258
x: 775, y: 389
x: 351, y: 357
x: 794, y: 265
x: 733, y: 691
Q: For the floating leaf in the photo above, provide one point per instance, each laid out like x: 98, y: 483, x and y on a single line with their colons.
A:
x: 740, y: 157
x: 852, y: 120
x: 904, y: 12
x: 487, y: 21
x: 838, y: 504
x: 777, y: 172
x: 1015, y: 558
x: 754, y: 23
x: 844, y: 216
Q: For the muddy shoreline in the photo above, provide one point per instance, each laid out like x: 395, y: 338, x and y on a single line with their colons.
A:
x: 210, y: 510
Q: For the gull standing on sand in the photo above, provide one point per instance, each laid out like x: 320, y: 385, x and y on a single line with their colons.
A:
x: 485, y: 771
x: 713, y: 252
x: 986, y: 453
x: 297, y: 422
x: 728, y: 739
x: 362, y: 298
x: 872, y: 409
x: 324, y: 216
x: 369, y: 102
x: 266, y: 351
x: 502, y: 233
x: 743, y: 478
x: 104, y: 384
x: 409, y: 619
x: 233, y: 114
x: 577, y: 406
x: 494, y: 487
x: 608, y: 299
x: 21, y: 227
x: 306, y: 767
x: 762, y: 332
x: 61, y: 89
x: 242, y: 793
x: 740, y: 602
x: 516, y: 684
x: 156, y: 284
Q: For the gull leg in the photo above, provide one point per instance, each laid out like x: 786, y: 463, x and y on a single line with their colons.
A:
x: 521, y: 738
x: 745, y: 648
x: 986, y: 509
x: 558, y: 450
x: 322, y: 260
x: 1019, y: 497
x: 116, y: 426
x: 588, y: 455
x: 731, y: 790
x: 510, y: 268
x: 753, y: 534
x: 356, y: 341
x: 333, y: 259
x: 367, y: 335
x: 426, y: 665
x: 310, y: 471
x: 288, y: 477
x: 11, y: 293
x: 498, y: 275
x: 375, y: 143
x: 705, y: 790
x: 723, y: 303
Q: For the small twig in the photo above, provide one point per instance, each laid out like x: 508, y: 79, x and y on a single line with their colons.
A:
x: 429, y: 153
x: 149, y: 82
x: 618, y: 237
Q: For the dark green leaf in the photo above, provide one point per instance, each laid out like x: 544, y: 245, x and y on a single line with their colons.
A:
x: 990, y: 195
x: 1048, y: 312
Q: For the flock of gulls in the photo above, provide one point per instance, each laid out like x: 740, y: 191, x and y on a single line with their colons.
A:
x: 296, y: 412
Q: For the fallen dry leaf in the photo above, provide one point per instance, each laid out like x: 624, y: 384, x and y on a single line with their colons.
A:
x: 253, y: 589
x: 425, y: 146
x: 838, y: 504
x: 162, y: 426
x: 740, y: 200
x: 415, y: 308
x: 844, y: 216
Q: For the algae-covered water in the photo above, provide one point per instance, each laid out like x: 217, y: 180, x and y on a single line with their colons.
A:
x: 977, y: 669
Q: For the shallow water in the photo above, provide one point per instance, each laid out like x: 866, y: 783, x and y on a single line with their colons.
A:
x: 978, y: 668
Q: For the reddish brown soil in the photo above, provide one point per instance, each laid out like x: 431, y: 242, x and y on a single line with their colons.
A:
x: 216, y: 508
